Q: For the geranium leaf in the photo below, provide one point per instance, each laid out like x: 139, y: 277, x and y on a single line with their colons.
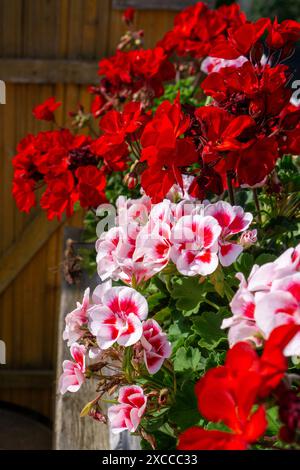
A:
x: 208, y: 327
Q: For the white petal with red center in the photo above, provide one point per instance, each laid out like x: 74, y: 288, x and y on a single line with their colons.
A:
x: 125, y: 300
x: 126, y: 391
x: 290, y: 284
x: 244, y: 330
x: 293, y: 348
x: 100, y: 291
x: 117, y: 418
x: 228, y: 252
x: 132, y: 332
x: 223, y: 212
x: 275, y: 309
x: 200, y: 263
x: 241, y: 220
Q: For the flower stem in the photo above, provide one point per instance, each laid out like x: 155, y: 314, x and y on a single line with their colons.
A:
x: 230, y: 188
x: 257, y: 205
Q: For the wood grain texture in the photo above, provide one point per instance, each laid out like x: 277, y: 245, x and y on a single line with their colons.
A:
x: 176, y: 5
x: 48, y: 71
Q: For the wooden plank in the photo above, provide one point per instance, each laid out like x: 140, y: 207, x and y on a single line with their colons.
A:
x: 48, y: 71
x: 24, y: 379
x: 156, y: 4
x: 27, y: 245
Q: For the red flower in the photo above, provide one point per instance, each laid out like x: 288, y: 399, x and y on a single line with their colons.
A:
x: 128, y: 15
x: 59, y: 196
x: 283, y: 34
x: 120, y: 128
x: 197, y: 27
x: 221, y: 132
x: 23, y: 192
x: 250, y: 90
x: 228, y: 393
x: 164, y: 151
x: 256, y: 162
x: 45, y: 111
x: 91, y: 186
x: 240, y: 40
x: 97, y: 105
x: 127, y: 73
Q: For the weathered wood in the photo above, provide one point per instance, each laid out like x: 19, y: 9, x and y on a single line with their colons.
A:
x: 21, y: 252
x: 24, y: 379
x: 49, y: 71
x: 157, y: 4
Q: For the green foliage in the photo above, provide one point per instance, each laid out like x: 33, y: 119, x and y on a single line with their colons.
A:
x: 208, y: 328
x: 189, y: 294
x: 185, y: 86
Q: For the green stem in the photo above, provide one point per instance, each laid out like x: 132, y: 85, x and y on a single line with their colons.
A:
x: 230, y: 188
x: 212, y: 304
x: 257, y: 205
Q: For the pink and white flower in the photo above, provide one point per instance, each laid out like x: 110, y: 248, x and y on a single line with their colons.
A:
x: 232, y: 220
x: 156, y: 346
x: 214, y: 64
x: 73, y: 371
x: 269, y: 298
x: 128, y: 413
x: 118, y: 318
x: 76, y: 319
x: 248, y: 238
x: 195, y: 245
x: 280, y: 306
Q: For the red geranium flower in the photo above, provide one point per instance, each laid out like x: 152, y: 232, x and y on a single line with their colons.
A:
x: 221, y: 132
x: 197, y: 27
x: 256, y: 162
x: 283, y: 34
x: 45, y: 111
x: 164, y: 151
x: 258, y: 91
x: 240, y: 40
x: 128, y: 15
x: 119, y: 129
x: 228, y: 393
x: 59, y: 196
x: 91, y: 186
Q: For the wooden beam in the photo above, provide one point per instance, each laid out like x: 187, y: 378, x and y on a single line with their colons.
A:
x: 176, y: 5
x: 49, y: 71
x: 31, y: 379
x: 22, y: 251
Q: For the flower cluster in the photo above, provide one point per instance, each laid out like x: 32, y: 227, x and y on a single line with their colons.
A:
x: 135, y: 74
x: 198, y: 28
x: 65, y: 164
x: 228, y: 393
x: 269, y: 298
x: 116, y: 317
x: 195, y: 237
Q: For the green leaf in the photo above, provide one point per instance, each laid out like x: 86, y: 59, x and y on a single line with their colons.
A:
x: 187, y: 359
x: 162, y: 315
x: 154, y: 300
x: 273, y: 421
x: 208, y: 327
x: 265, y: 258
x: 185, y: 412
x: 244, y: 263
x: 217, y: 280
x: 189, y: 294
